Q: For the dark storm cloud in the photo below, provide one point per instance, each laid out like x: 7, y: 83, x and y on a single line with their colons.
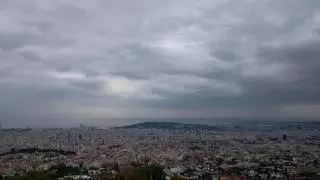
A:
x: 70, y: 59
x: 304, y: 63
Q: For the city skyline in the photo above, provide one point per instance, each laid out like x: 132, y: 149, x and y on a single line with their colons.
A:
x: 251, y: 151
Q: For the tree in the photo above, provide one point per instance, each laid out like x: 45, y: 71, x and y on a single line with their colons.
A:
x: 141, y: 173
x: 176, y: 177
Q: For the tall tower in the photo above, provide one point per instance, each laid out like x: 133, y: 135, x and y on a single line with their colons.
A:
x: 284, y: 137
x: 80, y: 137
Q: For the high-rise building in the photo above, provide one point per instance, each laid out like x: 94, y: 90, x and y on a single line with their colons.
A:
x: 284, y: 137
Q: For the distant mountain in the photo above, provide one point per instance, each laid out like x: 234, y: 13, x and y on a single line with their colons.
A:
x: 170, y: 126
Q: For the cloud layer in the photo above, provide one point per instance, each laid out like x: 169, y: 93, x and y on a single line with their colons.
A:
x: 64, y: 60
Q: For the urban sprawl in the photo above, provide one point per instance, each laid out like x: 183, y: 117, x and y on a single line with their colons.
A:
x: 239, y: 152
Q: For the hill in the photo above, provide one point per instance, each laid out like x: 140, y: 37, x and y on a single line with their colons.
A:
x: 170, y: 126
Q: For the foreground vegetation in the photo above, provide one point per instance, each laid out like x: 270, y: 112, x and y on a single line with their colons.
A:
x: 152, y: 172
x: 57, y: 172
x: 53, y: 173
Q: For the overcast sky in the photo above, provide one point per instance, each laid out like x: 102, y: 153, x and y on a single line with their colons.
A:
x: 66, y: 60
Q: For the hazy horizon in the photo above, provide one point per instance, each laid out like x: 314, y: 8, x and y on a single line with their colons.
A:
x: 116, y: 122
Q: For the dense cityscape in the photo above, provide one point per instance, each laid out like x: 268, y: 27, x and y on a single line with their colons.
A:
x: 254, y: 151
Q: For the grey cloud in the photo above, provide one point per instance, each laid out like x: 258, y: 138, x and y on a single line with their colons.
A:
x: 72, y: 59
x: 9, y: 42
x: 304, y: 63
x: 224, y: 55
